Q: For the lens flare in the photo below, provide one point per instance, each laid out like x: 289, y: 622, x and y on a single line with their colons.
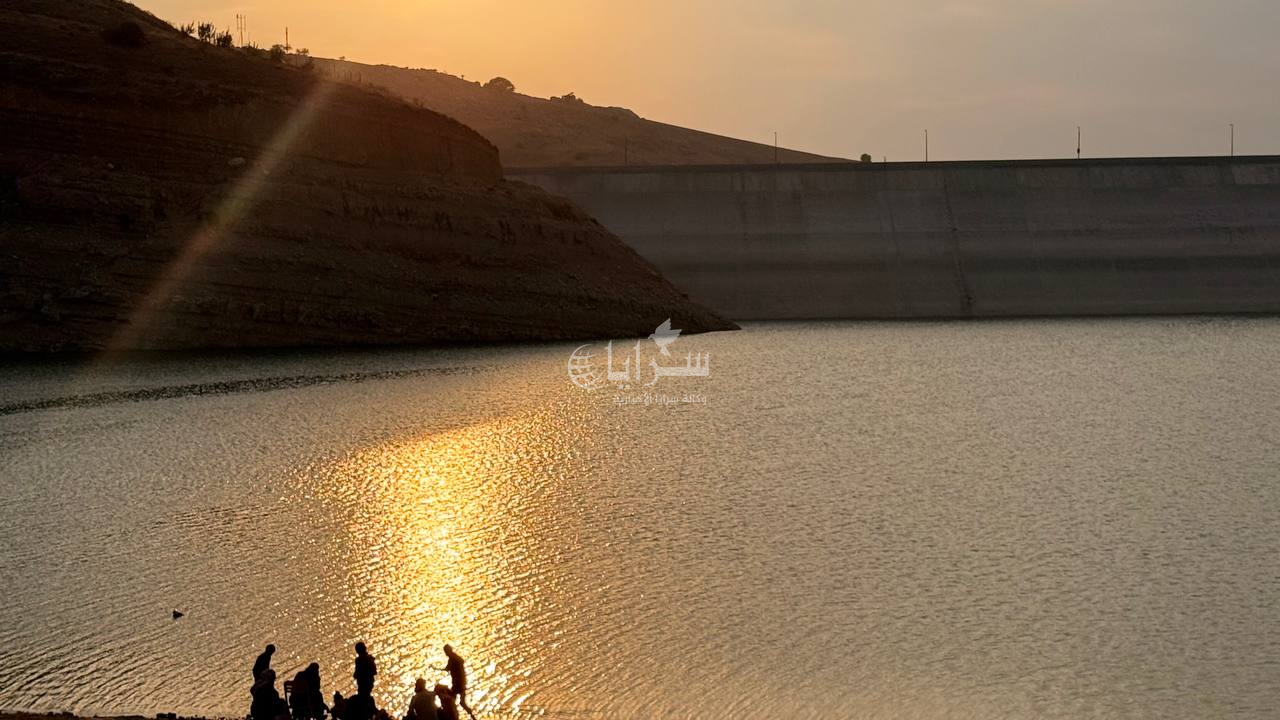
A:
x: 238, y: 202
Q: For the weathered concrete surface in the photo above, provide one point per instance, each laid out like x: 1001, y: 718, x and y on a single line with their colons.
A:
x: 1056, y: 237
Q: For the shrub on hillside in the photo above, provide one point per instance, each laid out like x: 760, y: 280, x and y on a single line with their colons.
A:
x: 277, y: 53
x: 127, y: 34
x: 501, y: 84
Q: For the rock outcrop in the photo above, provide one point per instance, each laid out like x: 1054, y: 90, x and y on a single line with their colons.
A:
x: 164, y: 193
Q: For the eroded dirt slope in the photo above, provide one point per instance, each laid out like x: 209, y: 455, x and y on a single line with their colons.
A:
x: 174, y: 195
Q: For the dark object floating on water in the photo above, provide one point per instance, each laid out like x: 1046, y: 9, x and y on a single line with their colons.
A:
x: 177, y: 614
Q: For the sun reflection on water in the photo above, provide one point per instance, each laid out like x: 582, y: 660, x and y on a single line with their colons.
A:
x: 448, y: 539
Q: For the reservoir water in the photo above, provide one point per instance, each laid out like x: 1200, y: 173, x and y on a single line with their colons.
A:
x: 1052, y: 519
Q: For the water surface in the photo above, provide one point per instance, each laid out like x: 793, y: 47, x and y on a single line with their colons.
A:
x: 1055, y: 519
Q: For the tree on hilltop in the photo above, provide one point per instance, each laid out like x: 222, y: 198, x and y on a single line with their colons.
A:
x: 500, y: 83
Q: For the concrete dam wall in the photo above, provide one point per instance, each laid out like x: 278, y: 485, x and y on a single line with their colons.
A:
x: 960, y: 239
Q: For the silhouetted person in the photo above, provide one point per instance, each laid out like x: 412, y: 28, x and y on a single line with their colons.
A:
x: 359, y: 707
x: 263, y: 662
x: 267, y: 703
x: 423, y: 704
x: 448, y: 711
x: 339, y: 708
x: 366, y: 670
x: 457, y: 677
x: 318, y: 708
x: 307, y: 700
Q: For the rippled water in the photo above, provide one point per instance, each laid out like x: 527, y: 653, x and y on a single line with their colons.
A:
x: 1056, y: 519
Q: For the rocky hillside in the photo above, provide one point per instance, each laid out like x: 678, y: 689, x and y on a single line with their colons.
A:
x: 532, y: 131
x: 158, y: 192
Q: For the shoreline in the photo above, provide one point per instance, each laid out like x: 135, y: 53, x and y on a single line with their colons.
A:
x: 68, y: 715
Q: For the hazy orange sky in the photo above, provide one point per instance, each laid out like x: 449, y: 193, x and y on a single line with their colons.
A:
x: 988, y: 78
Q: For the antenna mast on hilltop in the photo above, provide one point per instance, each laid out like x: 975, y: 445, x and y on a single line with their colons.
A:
x: 242, y: 24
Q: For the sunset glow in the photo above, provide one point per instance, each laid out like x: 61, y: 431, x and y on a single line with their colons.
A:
x: 988, y: 78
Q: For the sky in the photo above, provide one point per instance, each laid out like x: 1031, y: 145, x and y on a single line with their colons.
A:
x: 988, y: 79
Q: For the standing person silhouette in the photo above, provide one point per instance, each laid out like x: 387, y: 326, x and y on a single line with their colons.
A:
x: 457, y: 677
x: 263, y: 662
x: 366, y: 670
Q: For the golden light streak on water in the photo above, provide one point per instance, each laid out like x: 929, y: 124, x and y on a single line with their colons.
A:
x: 443, y: 531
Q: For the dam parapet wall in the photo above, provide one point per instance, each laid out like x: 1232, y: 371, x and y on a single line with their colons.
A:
x: 950, y: 239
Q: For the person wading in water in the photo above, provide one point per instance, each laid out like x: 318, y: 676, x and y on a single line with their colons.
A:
x: 457, y: 677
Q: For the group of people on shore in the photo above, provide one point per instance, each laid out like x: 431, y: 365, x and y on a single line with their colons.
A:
x: 305, y: 699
